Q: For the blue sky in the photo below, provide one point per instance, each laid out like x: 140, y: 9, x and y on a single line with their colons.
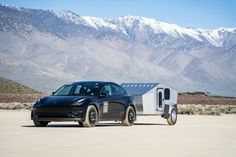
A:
x: 208, y: 14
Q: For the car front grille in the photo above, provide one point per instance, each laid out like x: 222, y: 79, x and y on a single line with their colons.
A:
x: 52, y: 116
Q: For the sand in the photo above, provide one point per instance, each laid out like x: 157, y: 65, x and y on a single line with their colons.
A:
x: 151, y: 136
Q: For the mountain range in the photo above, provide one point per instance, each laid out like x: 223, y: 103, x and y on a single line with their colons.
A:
x: 44, y: 49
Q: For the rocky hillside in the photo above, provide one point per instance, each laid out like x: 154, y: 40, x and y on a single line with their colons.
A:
x: 10, y: 87
x: 11, y: 91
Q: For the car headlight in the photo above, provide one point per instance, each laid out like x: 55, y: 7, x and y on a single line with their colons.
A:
x: 38, y: 100
x: 37, y: 103
x: 78, y: 102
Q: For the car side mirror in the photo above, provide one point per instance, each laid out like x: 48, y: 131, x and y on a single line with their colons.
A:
x: 53, y: 93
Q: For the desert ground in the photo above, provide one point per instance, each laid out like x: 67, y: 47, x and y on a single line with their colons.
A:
x: 193, y: 135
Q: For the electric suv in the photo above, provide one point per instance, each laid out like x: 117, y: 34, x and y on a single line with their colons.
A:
x: 87, y: 103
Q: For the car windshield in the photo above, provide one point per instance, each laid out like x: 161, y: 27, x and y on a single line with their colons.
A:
x: 78, y: 89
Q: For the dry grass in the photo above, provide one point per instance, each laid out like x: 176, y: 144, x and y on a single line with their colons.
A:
x: 21, y: 98
x: 15, y: 106
x: 199, y: 109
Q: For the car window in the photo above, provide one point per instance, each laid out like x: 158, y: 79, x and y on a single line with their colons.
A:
x: 81, y: 89
x: 106, y: 90
x: 117, y: 90
x: 64, y: 90
x: 85, y: 89
x: 78, y: 90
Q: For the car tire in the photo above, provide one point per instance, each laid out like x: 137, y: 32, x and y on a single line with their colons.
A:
x: 91, y: 117
x: 81, y: 124
x: 40, y: 123
x: 172, y: 119
x: 130, y: 117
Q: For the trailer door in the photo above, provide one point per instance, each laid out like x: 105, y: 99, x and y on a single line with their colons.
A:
x: 160, y: 101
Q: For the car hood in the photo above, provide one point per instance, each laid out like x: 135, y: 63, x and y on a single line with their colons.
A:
x: 59, y: 101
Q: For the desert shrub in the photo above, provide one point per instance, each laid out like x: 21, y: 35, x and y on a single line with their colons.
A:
x: 198, y: 109
x: 15, y: 106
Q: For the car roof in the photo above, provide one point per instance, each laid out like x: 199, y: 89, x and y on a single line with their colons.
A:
x: 99, y: 82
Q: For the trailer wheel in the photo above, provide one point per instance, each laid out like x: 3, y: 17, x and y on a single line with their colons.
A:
x: 172, y: 119
x: 129, y: 117
x: 91, y: 117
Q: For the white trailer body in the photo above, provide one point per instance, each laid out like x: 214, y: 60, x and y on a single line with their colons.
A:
x: 154, y: 99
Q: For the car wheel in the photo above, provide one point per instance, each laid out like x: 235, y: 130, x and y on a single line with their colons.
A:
x: 81, y: 124
x: 129, y: 117
x: 91, y: 117
x: 172, y: 119
x: 40, y: 123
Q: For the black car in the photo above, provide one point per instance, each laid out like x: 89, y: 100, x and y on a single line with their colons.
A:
x: 87, y: 103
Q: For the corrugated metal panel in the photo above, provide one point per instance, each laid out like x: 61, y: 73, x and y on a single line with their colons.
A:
x: 138, y: 88
x: 138, y: 103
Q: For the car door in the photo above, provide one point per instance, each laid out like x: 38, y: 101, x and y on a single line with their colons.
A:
x: 111, y: 107
x: 119, y: 102
x: 160, y: 101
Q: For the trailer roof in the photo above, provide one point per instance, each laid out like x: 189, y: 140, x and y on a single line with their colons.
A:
x: 138, y: 88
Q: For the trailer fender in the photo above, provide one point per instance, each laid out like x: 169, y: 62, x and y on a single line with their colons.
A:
x: 167, y: 110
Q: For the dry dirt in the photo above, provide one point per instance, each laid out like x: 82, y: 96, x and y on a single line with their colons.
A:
x: 20, y: 98
x: 204, y: 99
x: 192, y: 136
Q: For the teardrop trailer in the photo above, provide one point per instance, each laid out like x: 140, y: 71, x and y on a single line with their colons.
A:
x: 154, y: 99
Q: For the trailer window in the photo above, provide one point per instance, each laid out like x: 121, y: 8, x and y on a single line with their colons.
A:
x: 167, y: 93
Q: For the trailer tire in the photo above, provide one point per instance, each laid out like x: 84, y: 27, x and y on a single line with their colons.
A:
x: 130, y: 117
x: 172, y: 119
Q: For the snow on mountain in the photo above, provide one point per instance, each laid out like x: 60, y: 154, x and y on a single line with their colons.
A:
x: 217, y: 37
x: 44, y: 49
x: 125, y: 24
x: 69, y: 16
x: 157, y: 26
x: 99, y: 23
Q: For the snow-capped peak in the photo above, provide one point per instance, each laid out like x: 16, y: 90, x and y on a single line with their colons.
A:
x: 144, y: 26
x: 124, y: 23
x: 86, y: 20
x: 217, y: 36
x: 68, y: 15
x: 158, y: 26
x: 99, y: 22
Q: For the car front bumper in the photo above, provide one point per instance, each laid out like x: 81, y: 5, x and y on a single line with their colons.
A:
x: 58, y: 114
x: 57, y: 119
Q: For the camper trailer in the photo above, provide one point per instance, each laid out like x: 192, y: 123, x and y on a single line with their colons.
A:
x: 154, y: 99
